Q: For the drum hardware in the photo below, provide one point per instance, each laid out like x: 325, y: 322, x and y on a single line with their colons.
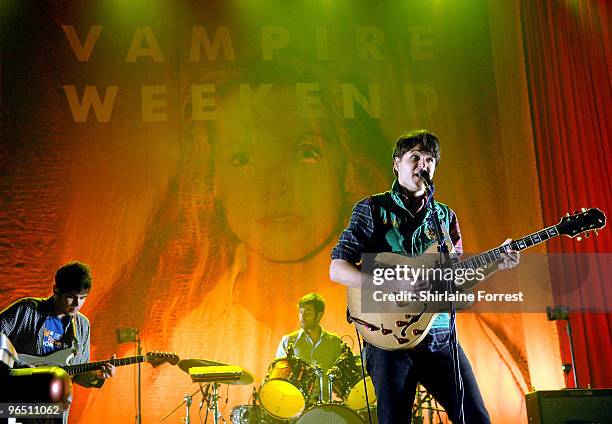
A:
x: 217, y: 375
x: 187, y: 402
x: 215, y: 403
x: 425, y: 402
x: 253, y: 414
x: 214, y: 373
x: 331, y: 376
x: 319, y: 372
x: 187, y: 407
x: 212, y: 399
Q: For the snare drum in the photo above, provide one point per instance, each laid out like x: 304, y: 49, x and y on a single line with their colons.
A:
x: 331, y: 413
x: 287, y: 387
x: 347, y: 382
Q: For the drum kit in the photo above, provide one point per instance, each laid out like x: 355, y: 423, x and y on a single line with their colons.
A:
x: 287, y: 394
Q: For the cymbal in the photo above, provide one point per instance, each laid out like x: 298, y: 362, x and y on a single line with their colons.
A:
x: 247, y: 378
x: 185, y: 364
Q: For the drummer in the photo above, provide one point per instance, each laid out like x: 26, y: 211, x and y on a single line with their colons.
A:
x: 311, y: 342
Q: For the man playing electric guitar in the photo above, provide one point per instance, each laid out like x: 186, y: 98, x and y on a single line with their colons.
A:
x: 399, y: 221
x: 38, y: 326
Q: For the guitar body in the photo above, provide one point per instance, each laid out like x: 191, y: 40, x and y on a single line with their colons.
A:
x: 58, y: 358
x: 408, y: 325
x: 388, y: 335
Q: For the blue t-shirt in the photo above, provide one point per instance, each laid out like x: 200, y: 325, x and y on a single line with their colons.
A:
x: 53, y: 334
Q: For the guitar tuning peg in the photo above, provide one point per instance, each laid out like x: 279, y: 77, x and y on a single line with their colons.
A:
x: 579, y: 238
x: 583, y: 209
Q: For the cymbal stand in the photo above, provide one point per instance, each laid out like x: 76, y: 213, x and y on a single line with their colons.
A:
x: 187, y: 397
x: 212, y: 401
x: 215, y: 402
x: 187, y: 407
x: 423, y: 402
x: 331, y: 376
x: 320, y: 374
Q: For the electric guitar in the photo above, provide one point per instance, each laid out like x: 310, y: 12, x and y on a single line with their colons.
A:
x: 408, y: 325
x: 61, y: 359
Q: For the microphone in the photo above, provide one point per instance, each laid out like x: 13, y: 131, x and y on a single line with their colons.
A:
x: 424, y: 175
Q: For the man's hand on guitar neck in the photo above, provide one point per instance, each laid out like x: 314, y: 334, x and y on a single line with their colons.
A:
x: 510, y: 258
x: 108, y: 370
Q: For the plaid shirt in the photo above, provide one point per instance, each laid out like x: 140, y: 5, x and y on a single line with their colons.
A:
x: 363, y: 235
x: 358, y: 237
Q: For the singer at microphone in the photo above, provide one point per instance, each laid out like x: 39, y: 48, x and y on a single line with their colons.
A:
x: 411, y: 227
x: 424, y: 175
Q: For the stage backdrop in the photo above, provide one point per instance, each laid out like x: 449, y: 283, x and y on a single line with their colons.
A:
x: 202, y: 158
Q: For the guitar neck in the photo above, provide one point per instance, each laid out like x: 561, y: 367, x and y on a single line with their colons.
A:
x: 94, y: 366
x: 490, y: 256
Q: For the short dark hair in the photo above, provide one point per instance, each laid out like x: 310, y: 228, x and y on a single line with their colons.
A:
x: 314, y: 299
x: 74, y: 277
x: 426, y: 139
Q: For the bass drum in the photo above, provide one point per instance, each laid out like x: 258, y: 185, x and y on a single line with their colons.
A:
x: 252, y: 414
x: 331, y: 413
x: 287, y: 387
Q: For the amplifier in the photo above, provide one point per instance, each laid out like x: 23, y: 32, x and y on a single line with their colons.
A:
x: 569, y: 406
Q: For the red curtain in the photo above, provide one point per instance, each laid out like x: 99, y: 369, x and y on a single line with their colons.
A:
x: 567, y: 55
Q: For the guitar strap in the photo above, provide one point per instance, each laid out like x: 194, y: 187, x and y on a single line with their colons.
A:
x: 75, y: 341
x: 447, y: 240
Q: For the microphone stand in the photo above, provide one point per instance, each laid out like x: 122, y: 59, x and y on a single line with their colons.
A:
x: 446, y: 262
x: 139, y: 406
x: 131, y: 335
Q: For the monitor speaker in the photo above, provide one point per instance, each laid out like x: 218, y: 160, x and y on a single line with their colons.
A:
x: 569, y: 406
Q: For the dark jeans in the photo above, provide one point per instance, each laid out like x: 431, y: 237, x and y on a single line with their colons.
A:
x: 395, y: 375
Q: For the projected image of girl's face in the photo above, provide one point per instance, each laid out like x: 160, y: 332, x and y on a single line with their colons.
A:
x: 277, y: 174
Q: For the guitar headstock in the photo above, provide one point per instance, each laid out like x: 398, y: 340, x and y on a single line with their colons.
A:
x: 582, y: 222
x: 158, y: 358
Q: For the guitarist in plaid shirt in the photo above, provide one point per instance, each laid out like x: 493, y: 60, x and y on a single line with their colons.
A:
x: 397, y: 221
x: 41, y: 326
